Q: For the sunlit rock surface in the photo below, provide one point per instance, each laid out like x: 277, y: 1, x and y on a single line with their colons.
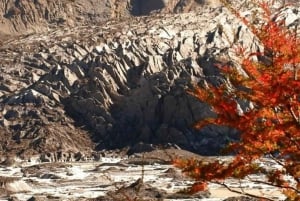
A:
x: 148, y: 176
x: 32, y: 16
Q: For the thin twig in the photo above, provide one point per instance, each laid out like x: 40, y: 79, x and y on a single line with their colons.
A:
x: 242, y: 192
x: 275, y: 185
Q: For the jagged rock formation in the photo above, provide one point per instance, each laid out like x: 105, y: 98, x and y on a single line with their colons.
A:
x: 33, y: 16
x: 40, y: 15
x: 117, y: 83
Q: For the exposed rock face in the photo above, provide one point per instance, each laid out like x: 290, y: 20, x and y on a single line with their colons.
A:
x: 40, y: 15
x: 117, y: 83
x: 33, y: 16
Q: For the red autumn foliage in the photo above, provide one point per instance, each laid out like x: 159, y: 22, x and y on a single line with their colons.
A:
x: 272, y: 125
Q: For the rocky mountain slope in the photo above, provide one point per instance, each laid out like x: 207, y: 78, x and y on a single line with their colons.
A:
x: 115, y: 83
x: 31, y: 16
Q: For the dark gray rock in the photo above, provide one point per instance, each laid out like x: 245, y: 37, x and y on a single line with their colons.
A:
x: 13, y: 198
x: 11, y: 114
x: 241, y: 198
x: 199, y: 195
x: 140, y: 148
x: 37, y: 198
x: 49, y: 176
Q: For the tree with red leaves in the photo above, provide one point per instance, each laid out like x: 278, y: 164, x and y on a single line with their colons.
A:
x: 272, y: 126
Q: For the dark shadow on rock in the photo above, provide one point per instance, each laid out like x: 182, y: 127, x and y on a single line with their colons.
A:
x: 140, y: 148
x: 241, y: 198
x: 13, y: 11
x: 152, y: 108
x: 145, y: 7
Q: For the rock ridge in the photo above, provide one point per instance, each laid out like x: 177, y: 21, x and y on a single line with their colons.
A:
x: 34, y: 16
x: 115, y: 83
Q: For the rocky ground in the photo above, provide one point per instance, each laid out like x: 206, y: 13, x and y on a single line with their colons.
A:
x: 146, y: 176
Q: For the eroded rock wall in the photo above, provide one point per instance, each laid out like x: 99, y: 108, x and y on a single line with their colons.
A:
x: 122, y: 82
x: 118, y: 83
x: 31, y: 16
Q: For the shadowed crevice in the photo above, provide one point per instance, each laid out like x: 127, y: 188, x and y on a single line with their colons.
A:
x: 145, y: 7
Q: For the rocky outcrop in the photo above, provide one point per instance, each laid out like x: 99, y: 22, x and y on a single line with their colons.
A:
x: 32, y: 16
x: 40, y: 15
x: 117, y: 83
